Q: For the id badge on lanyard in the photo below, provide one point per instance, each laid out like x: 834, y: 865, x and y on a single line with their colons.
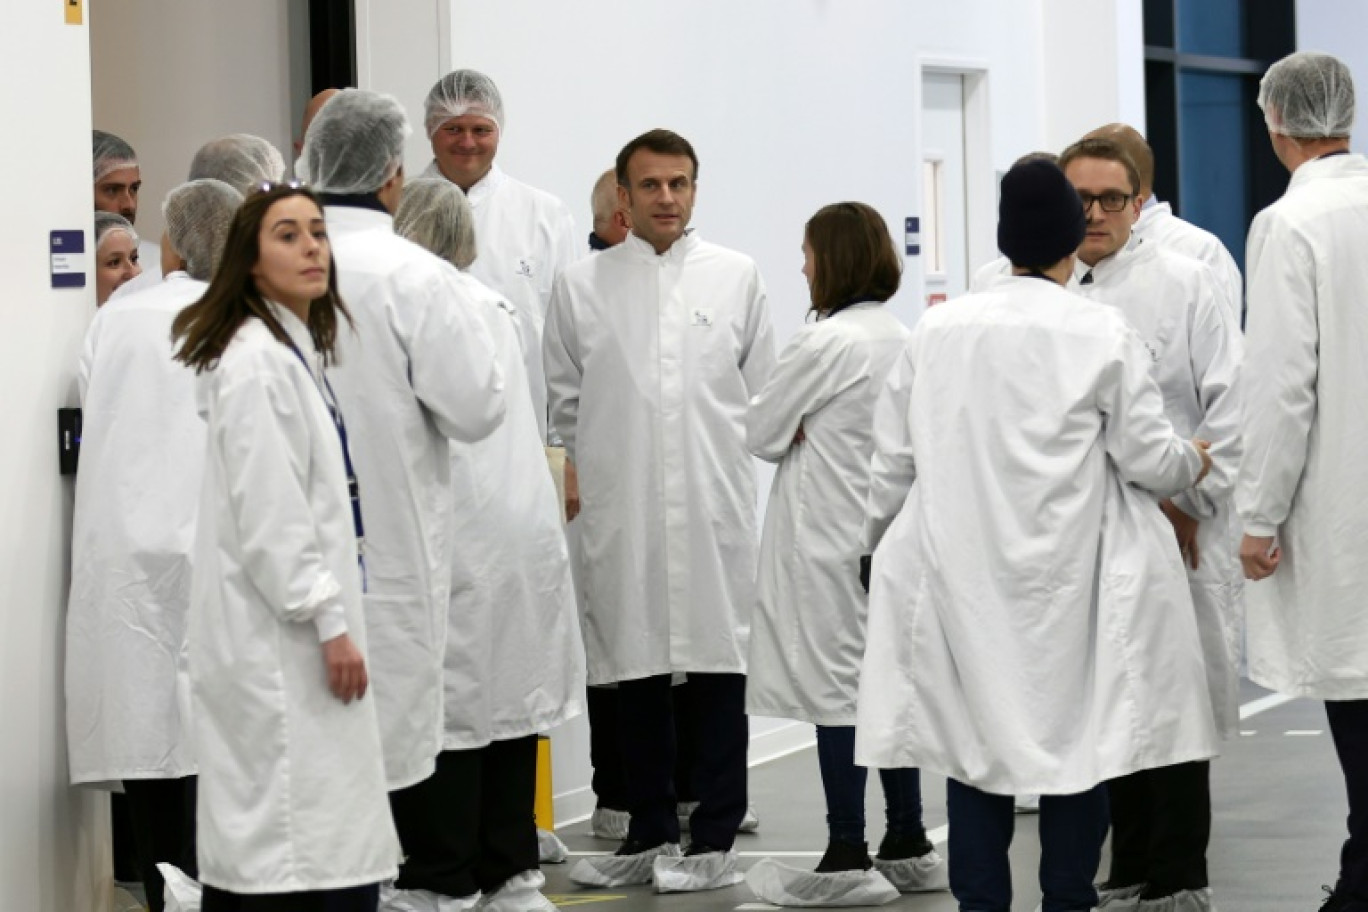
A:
x: 353, y: 486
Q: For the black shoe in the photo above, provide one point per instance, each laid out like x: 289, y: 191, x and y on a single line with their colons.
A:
x: 896, y: 847
x: 844, y: 856
x: 700, y: 848
x: 1335, y: 901
x: 633, y: 846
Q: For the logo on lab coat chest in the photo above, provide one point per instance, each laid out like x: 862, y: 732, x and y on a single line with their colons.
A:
x: 700, y: 317
x: 526, y: 268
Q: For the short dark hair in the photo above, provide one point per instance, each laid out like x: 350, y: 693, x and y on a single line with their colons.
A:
x: 661, y: 142
x: 1105, y: 149
x: 853, y: 256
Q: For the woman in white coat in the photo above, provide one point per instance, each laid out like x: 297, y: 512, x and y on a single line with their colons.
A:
x: 814, y: 418
x: 293, y: 812
x: 514, y: 659
x: 1030, y: 628
x: 132, y: 536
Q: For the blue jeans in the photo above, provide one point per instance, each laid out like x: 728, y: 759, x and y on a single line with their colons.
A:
x: 844, y: 783
x: 1072, y: 829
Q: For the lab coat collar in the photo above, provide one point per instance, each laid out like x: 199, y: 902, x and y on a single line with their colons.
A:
x: 1351, y: 164
x: 1112, y: 263
x: 347, y: 219
x: 484, y: 188
x: 678, y: 250
x: 295, y: 328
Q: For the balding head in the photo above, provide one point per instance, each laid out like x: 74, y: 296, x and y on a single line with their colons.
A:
x: 611, y: 222
x: 1130, y: 140
x: 310, y: 112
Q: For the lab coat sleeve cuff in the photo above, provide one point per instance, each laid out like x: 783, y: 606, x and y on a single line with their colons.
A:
x: 331, y: 621
x: 1260, y: 529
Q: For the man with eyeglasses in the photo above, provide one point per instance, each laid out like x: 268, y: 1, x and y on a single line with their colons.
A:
x: 1161, y: 818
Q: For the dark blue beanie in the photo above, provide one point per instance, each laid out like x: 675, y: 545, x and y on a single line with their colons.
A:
x: 1040, y: 219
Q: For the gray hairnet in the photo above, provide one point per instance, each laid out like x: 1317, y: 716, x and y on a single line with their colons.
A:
x: 1308, y: 95
x: 106, y: 222
x: 462, y: 92
x: 198, y: 215
x: 435, y: 214
x: 355, y: 144
x: 241, y: 160
x: 110, y: 154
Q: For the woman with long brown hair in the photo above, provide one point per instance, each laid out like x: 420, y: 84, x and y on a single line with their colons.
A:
x: 293, y: 812
x: 814, y: 418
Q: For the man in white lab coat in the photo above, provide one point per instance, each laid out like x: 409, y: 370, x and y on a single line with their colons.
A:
x: 653, y: 350
x: 1161, y: 818
x: 1303, y: 480
x: 1158, y: 225
x: 1030, y: 629
x: 526, y: 236
x: 133, y: 531
x: 419, y: 368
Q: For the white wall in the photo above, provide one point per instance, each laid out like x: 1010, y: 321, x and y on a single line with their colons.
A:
x: 170, y: 75
x: 1336, y: 27
x: 53, y: 843
x: 791, y: 104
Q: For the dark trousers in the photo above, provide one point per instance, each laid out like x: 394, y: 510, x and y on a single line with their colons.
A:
x: 471, y: 825
x: 605, y: 747
x: 1161, y: 824
x: 352, y: 899
x: 1349, y: 728
x: 844, y: 784
x: 1072, y: 830
x: 716, y: 719
x: 162, y: 815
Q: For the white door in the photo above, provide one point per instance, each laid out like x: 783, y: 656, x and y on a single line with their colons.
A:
x: 943, y: 223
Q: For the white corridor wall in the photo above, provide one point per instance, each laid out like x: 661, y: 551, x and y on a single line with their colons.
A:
x: 54, y: 847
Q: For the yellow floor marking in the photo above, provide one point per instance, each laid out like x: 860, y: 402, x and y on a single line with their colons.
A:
x: 565, y: 900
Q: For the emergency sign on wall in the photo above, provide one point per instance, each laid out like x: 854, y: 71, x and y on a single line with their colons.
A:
x: 67, y: 249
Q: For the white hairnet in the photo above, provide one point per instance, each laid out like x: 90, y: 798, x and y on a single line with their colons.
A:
x: 436, y: 215
x: 110, y: 154
x: 462, y: 92
x: 241, y: 160
x: 355, y: 144
x: 106, y: 222
x: 198, y: 215
x: 1308, y: 95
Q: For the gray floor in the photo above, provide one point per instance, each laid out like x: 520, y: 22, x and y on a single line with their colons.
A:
x: 1279, y: 821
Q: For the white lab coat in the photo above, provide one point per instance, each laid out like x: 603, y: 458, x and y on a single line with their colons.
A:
x: 525, y: 238
x: 651, y: 361
x: 514, y: 657
x: 1173, y: 302
x: 1030, y: 628
x: 133, y: 532
x: 807, y: 633
x: 987, y: 275
x: 1304, y: 477
x: 292, y: 792
x: 1159, y: 226
x: 419, y: 368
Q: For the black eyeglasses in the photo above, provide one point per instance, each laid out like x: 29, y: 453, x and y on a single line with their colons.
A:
x: 1111, y: 201
x: 272, y: 186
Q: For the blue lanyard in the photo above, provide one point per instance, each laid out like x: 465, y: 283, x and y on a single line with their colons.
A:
x: 353, y: 486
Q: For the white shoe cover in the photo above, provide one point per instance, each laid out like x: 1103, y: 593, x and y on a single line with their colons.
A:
x: 782, y: 885
x: 689, y: 874
x: 1183, y: 901
x: 621, y: 870
x: 550, y: 850
x: 520, y: 893
x: 751, y: 822
x: 182, y: 892
x: 396, y: 900
x: 609, y: 824
x: 1124, y: 899
x: 923, y: 874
